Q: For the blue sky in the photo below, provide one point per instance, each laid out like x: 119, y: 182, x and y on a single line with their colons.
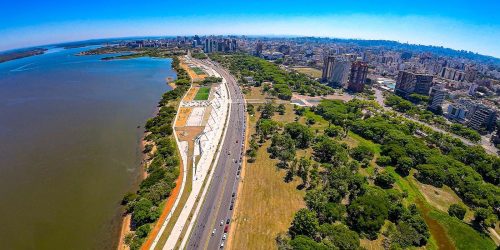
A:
x: 469, y: 25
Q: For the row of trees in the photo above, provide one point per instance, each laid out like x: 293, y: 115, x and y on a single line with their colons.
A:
x: 283, y: 82
x: 405, y: 106
x: 144, y: 205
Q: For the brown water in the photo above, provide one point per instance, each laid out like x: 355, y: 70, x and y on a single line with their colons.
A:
x: 69, y: 146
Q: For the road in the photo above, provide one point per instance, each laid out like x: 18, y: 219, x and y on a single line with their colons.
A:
x: 219, y: 198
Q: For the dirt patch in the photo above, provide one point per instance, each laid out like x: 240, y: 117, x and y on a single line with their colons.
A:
x: 440, y: 198
x: 191, y: 94
x: 195, y: 77
x: 436, y: 229
x: 183, y: 116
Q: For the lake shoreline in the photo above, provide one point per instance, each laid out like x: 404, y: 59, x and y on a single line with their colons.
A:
x: 127, y: 217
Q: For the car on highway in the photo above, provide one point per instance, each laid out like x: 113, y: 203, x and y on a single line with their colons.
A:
x: 234, y: 194
x: 213, y: 232
x: 222, y: 222
x: 222, y: 245
x: 227, y: 221
x: 231, y: 207
x: 226, y: 228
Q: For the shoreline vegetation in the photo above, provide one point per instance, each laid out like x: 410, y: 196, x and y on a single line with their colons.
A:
x: 132, y: 52
x: 13, y: 55
x: 144, y: 207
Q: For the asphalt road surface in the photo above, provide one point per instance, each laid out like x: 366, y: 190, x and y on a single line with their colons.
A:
x: 219, y: 199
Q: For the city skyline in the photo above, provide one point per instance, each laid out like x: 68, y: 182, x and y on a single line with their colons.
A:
x: 456, y: 25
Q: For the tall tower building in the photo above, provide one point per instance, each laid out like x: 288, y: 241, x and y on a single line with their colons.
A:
x: 357, y: 76
x: 483, y: 117
x: 327, y: 68
x: 438, y: 94
x: 258, y: 49
x: 408, y: 83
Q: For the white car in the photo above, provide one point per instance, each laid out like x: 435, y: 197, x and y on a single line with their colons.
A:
x: 224, y: 236
x: 222, y: 245
x: 221, y: 222
x: 213, y: 232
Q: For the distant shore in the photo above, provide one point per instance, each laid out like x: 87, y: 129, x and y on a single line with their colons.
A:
x: 14, y: 55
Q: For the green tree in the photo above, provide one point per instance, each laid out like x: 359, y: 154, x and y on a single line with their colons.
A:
x: 367, y: 213
x: 302, y: 242
x: 300, y: 133
x: 484, y: 217
x: 327, y: 150
x: 304, y: 223
x: 338, y: 236
x: 266, y: 128
x: 267, y: 111
x: 385, y: 180
x: 457, y: 210
x: 281, y: 109
x: 334, y: 131
x: 282, y: 147
x: 362, y: 152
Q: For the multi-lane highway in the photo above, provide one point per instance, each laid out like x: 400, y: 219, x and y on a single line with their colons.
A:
x: 218, y: 205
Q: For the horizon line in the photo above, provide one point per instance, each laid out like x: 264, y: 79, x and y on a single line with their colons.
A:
x: 239, y: 35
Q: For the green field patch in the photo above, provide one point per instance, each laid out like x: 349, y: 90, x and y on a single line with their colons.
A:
x: 463, y: 235
x: 198, y: 70
x: 202, y: 94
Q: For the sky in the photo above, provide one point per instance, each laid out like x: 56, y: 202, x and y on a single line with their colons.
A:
x: 460, y: 24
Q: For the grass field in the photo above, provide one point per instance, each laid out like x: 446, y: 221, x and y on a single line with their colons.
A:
x: 198, y: 71
x: 202, y: 94
x: 312, y: 72
x: 255, y: 94
x: 267, y: 204
x: 464, y: 236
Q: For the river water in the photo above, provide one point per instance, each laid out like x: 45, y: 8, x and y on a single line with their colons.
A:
x: 70, y: 145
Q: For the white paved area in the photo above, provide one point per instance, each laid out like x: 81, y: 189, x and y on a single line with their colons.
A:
x: 207, y: 145
x: 196, y: 116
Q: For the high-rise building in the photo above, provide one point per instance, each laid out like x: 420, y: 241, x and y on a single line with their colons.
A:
x: 483, y: 117
x: 208, y: 45
x: 470, y: 74
x: 457, y: 112
x: 357, y: 76
x: 327, y: 68
x: 452, y: 74
x: 339, y: 73
x: 472, y: 89
x: 438, y: 94
x: 408, y: 83
x: 258, y: 48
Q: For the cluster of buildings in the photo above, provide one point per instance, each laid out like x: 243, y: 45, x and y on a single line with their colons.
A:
x: 464, y: 89
x: 345, y: 71
x: 214, y: 44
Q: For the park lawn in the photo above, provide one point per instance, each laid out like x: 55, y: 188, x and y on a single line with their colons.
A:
x: 202, y: 94
x: 463, y: 235
x: 312, y: 72
x: 267, y: 204
x: 319, y: 122
x: 354, y: 140
x: 198, y: 71
x: 442, y: 198
x: 255, y: 94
